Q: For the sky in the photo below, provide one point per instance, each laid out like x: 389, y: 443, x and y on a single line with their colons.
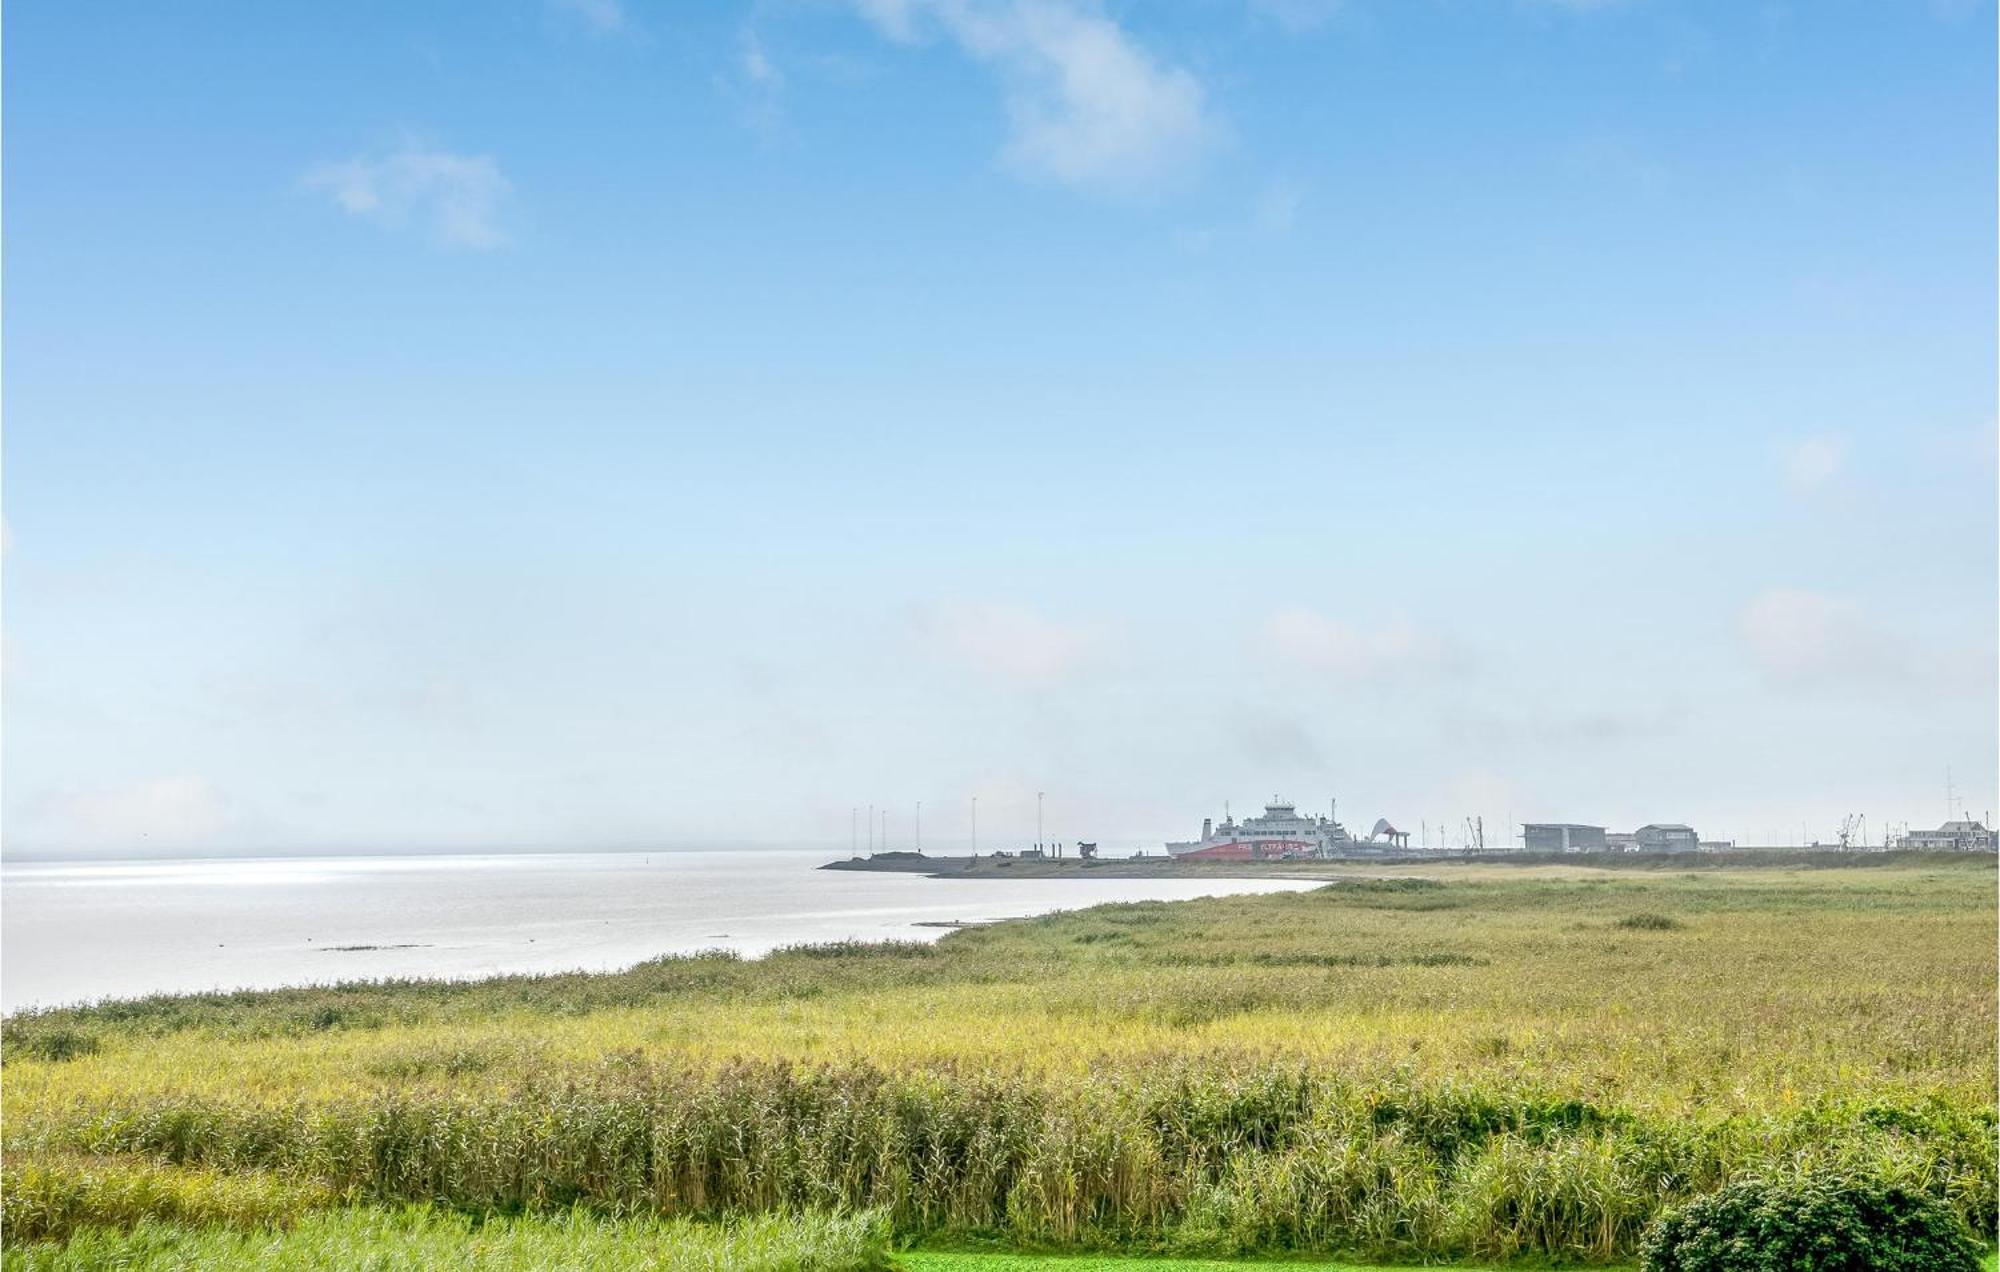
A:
x: 602, y: 423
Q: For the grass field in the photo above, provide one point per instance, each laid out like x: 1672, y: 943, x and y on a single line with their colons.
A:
x: 427, y: 1240
x: 929, y: 1262
x: 926, y: 1262
x: 1498, y: 1063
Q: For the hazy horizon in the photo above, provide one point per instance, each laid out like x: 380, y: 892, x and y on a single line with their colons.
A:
x: 586, y: 422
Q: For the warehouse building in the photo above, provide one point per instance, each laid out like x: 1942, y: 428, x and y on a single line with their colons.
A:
x: 1561, y: 837
x: 1667, y: 837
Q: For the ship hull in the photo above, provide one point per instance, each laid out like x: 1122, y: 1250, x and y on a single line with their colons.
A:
x: 1244, y: 850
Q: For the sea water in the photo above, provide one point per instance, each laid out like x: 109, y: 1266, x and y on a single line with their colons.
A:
x: 73, y: 931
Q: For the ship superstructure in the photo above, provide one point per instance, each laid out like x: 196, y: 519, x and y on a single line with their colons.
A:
x: 1279, y: 832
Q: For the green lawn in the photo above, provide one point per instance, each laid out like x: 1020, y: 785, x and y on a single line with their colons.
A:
x: 941, y: 1262
x: 424, y: 1239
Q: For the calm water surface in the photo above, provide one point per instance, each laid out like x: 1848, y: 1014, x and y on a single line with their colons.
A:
x: 75, y: 931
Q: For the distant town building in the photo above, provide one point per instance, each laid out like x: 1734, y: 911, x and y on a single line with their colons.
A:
x: 1561, y: 837
x: 1953, y: 836
x: 1621, y: 841
x: 1717, y: 845
x: 1667, y: 837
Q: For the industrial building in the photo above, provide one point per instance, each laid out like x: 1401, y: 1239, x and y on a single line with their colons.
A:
x: 1953, y: 836
x: 1561, y: 837
x: 1667, y: 837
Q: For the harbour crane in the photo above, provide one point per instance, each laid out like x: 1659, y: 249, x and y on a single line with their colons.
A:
x: 1853, y: 832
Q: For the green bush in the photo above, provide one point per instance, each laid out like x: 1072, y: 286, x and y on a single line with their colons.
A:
x: 52, y: 1044
x: 1810, y: 1224
x: 1649, y: 922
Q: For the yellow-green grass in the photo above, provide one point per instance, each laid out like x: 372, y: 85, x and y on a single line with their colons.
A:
x: 423, y: 1239
x: 927, y: 1261
x: 924, y: 1261
x: 1776, y: 988
x: 50, y: 1198
x: 1501, y: 1063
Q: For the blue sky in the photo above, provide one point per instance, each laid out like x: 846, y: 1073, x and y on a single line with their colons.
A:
x: 608, y: 423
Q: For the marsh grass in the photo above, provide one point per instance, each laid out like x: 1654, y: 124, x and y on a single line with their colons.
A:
x: 426, y: 1238
x: 55, y: 1043
x: 1490, y: 1064
x: 52, y: 1198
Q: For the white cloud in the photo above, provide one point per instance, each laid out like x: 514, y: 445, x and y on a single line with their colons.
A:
x: 757, y: 68
x: 1313, y: 640
x: 1801, y: 638
x: 603, y: 16
x: 1587, y: 731
x: 758, y: 85
x: 1813, y: 461
x: 1089, y: 107
x: 1274, y: 741
x: 176, y: 810
x: 1011, y: 641
x: 457, y: 197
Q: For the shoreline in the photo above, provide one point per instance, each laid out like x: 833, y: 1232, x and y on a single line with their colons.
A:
x: 987, y: 866
x: 760, y: 911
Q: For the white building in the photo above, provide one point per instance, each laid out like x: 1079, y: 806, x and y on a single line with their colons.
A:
x: 1953, y: 836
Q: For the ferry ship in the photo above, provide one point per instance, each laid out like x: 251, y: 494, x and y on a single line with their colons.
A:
x: 1279, y: 832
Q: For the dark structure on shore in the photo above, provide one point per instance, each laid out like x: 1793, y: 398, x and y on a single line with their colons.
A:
x: 1668, y: 837
x: 1561, y: 837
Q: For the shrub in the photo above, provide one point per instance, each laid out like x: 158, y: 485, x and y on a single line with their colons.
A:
x: 60, y: 1043
x: 1810, y: 1224
x: 1647, y: 922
